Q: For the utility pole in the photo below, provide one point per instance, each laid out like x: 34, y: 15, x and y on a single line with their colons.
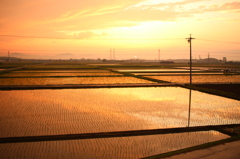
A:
x: 189, y: 106
x: 110, y: 54
x: 208, y: 58
x: 113, y: 54
x: 190, y: 41
x: 8, y: 56
x: 159, y: 55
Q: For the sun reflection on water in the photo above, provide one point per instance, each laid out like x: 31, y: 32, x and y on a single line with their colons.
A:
x: 105, y: 109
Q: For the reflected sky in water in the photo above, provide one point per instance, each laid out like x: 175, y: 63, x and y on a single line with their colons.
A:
x: 49, y: 112
x: 170, y: 73
x: 70, y: 80
x: 108, y: 148
x: 39, y: 74
x: 155, y: 70
x: 199, y: 79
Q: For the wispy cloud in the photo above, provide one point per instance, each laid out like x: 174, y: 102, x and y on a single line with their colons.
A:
x: 79, y: 19
x: 223, y: 7
x: 167, y: 3
x: 66, y: 35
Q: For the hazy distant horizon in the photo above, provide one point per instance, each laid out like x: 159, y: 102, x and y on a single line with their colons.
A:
x: 125, y: 55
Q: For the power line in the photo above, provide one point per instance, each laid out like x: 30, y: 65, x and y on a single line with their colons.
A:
x: 34, y: 37
x: 74, y: 38
x: 219, y: 41
x: 225, y: 52
x: 144, y: 39
x: 42, y: 37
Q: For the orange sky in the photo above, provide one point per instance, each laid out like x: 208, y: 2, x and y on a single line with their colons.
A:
x: 135, y: 29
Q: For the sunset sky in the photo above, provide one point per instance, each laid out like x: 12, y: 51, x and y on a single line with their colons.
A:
x: 134, y: 28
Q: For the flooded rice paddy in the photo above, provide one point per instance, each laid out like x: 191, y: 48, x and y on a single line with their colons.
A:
x: 58, y: 66
x: 70, y: 80
x: 155, y: 70
x: 51, y: 112
x: 107, y: 148
x: 180, y: 74
x: 199, y: 79
x: 68, y: 70
x: 40, y: 74
x: 72, y: 111
x: 109, y: 64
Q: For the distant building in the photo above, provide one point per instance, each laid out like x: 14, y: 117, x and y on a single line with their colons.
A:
x: 224, y: 59
x: 211, y: 60
x: 167, y: 62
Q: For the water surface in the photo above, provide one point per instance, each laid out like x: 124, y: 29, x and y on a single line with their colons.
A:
x: 50, y: 112
x: 68, y: 70
x: 108, y: 148
x: 155, y: 70
x: 70, y: 80
x: 199, y: 78
x: 182, y: 73
x: 42, y: 74
x: 70, y: 111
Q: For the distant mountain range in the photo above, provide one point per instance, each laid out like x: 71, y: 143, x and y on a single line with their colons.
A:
x: 18, y: 55
x: 57, y: 56
x: 66, y: 54
x: 9, y: 58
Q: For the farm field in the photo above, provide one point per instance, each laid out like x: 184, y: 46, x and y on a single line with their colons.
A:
x: 71, y: 73
x: 179, y: 74
x: 77, y: 111
x: 117, y: 148
x: 52, y: 112
x: 156, y: 70
x: 199, y: 78
x: 70, y: 111
x: 62, y: 71
x: 70, y: 80
x: 43, y: 74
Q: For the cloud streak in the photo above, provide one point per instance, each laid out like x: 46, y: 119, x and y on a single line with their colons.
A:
x: 94, y: 19
x: 76, y: 36
x: 65, y: 15
x: 229, y: 7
